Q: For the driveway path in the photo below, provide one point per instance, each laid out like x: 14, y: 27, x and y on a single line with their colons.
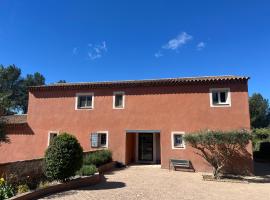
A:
x: 148, y: 182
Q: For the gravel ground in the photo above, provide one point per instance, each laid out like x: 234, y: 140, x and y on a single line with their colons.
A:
x: 151, y: 182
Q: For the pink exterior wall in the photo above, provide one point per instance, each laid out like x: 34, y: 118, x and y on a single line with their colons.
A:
x: 178, y: 108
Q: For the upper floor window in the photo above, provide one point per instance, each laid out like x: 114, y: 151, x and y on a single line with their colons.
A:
x: 178, y: 140
x: 118, y: 100
x: 85, y: 101
x: 220, y: 97
x: 99, y: 139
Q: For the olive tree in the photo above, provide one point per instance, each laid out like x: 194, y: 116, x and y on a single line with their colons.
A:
x: 218, y: 147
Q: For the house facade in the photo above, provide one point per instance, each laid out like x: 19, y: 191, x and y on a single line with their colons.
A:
x: 139, y: 121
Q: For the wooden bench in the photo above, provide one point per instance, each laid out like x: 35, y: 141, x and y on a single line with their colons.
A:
x: 184, y: 164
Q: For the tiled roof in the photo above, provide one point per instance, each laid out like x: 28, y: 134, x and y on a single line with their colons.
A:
x: 135, y: 83
x: 15, y: 119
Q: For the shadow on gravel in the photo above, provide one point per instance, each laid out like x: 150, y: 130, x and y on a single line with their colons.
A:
x: 262, y: 172
x: 105, y: 185
x: 262, y: 169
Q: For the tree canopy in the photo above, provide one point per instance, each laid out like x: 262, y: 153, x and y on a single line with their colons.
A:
x: 61, y: 81
x: 14, y: 89
x: 218, y: 148
x: 259, y: 111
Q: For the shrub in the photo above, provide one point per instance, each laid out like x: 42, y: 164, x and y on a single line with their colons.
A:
x: 218, y: 147
x: 260, y: 135
x: 6, y: 190
x: 63, y: 158
x: 23, y: 188
x: 87, y: 170
x: 98, y: 158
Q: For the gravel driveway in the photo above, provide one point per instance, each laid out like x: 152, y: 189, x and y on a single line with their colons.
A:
x: 151, y: 182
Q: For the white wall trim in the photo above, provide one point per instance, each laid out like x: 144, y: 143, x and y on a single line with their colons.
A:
x: 84, y: 94
x: 107, y: 138
x: 49, y: 136
x: 115, y: 93
x: 227, y: 104
x: 172, y: 139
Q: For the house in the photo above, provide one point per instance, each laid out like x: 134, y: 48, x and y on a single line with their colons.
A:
x: 140, y: 121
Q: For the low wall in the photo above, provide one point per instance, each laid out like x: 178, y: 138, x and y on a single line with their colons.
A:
x: 25, y: 168
x: 22, y: 168
x: 73, y: 184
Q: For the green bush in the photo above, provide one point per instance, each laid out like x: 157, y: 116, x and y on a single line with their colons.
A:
x: 87, y: 170
x: 63, y: 158
x: 23, y: 188
x: 98, y: 158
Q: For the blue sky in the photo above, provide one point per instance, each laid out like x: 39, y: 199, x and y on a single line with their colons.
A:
x: 99, y: 40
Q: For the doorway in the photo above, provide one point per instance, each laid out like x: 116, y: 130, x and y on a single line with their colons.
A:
x: 145, y: 147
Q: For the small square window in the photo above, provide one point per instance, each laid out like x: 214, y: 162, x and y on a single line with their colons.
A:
x: 99, y: 139
x: 84, y: 101
x: 177, y: 140
x: 220, y: 97
x: 118, y: 100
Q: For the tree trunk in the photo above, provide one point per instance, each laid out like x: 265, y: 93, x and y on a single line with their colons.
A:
x: 216, y: 172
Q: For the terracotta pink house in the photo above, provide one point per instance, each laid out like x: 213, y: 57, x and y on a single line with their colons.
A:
x: 141, y: 121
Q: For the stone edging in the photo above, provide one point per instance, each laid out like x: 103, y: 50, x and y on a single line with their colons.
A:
x: 73, y: 184
x: 210, y: 178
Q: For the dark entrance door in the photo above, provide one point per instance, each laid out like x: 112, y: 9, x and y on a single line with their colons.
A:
x: 145, y: 146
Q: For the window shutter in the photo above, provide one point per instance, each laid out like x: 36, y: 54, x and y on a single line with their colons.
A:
x: 94, y: 139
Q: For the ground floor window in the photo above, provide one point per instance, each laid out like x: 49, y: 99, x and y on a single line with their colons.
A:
x: 177, y: 138
x: 99, y: 139
x: 51, y: 136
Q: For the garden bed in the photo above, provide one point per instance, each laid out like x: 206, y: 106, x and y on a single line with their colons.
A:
x: 72, y: 184
x: 231, y: 179
x: 60, y: 187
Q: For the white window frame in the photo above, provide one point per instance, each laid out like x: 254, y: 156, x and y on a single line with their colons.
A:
x: 49, y: 136
x: 107, y: 140
x: 84, y: 94
x: 116, y: 93
x: 227, y: 104
x: 172, y: 139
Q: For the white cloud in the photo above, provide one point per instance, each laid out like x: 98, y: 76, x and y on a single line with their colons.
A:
x: 158, y: 54
x: 75, y: 51
x: 97, y: 50
x: 201, y: 45
x: 178, y: 41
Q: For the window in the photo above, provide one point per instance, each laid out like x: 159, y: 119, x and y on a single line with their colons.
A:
x: 99, y: 139
x: 178, y: 140
x: 220, y: 97
x: 118, y: 100
x: 84, y: 101
x: 52, y: 135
